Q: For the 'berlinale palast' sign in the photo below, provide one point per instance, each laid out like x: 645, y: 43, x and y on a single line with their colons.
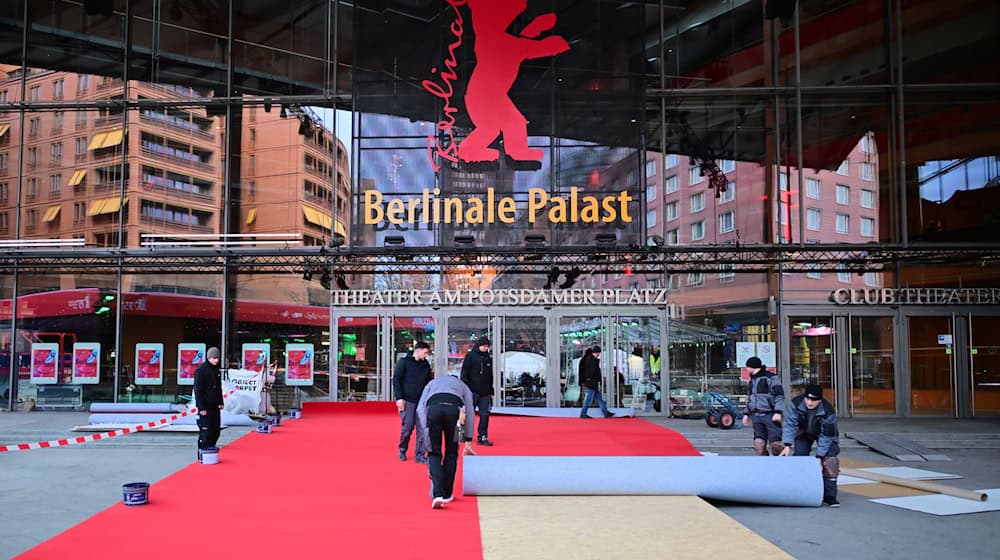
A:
x: 916, y: 296
x: 511, y: 297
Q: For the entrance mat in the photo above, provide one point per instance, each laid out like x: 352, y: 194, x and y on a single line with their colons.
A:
x: 556, y: 412
x: 546, y: 527
x: 939, y: 504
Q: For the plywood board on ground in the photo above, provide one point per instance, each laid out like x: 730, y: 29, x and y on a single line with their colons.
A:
x: 848, y: 463
x: 545, y: 527
x: 882, y: 490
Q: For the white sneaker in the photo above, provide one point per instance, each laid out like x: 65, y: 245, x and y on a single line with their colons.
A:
x: 437, y: 503
x: 448, y: 500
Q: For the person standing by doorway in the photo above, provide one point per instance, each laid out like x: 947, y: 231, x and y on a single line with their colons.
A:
x: 208, y: 399
x: 477, y: 373
x: 590, y: 378
x: 765, y: 404
x: 411, y: 375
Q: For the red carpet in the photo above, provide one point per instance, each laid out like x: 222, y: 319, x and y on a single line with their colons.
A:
x: 329, y: 485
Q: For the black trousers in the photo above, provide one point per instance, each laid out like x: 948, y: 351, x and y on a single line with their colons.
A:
x: 441, y: 421
x: 483, y: 403
x: 830, y: 463
x: 209, y: 427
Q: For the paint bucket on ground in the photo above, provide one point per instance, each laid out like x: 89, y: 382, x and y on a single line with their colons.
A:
x: 135, y: 493
x: 264, y: 427
x: 210, y: 456
x: 275, y: 419
x: 294, y: 413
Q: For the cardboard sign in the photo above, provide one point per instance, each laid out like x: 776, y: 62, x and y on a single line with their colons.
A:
x: 149, y: 363
x: 86, y: 362
x: 44, y: 363
x: 299, y: 364
x: 189, y: 357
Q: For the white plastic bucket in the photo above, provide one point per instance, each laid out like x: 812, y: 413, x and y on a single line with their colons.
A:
x: 210, y: 456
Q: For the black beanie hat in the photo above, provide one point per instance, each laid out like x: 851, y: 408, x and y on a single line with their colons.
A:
x: 483, y: 341
x: 814, y: 391
x: 754, y: 362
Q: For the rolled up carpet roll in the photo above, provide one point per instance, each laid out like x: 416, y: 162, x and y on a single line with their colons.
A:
x: 780, y: 481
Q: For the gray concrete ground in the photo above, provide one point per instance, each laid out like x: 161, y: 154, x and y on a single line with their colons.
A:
x: 43, y: 492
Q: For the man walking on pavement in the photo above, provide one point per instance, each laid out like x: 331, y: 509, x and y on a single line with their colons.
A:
x: 590, y: 377
x: 765, y: 404
x: 477, y: 373
x: 811, y: 419
x: 438, y: 413
x: 411, y: 375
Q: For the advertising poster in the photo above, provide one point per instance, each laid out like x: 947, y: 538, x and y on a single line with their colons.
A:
x: 149, y: 363
x: 189, y: 357
x: 86, y: 362
x: 298, y: 364
x: 44, y: 362
x: 256, y: 356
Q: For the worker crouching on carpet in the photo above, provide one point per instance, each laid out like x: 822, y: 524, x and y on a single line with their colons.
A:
x: 438, y: 412
x: 811, y: 418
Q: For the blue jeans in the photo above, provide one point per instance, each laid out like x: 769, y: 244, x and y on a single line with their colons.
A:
x: 591, y: 394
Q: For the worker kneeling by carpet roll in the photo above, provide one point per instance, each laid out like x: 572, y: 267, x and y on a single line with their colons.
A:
x: 786, y: 481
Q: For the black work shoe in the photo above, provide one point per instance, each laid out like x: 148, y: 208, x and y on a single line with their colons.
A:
x: 831, y: 502
x: 402, y: 455
x: 585, y: 416
x: 486, y: 442
x: 609, y: 415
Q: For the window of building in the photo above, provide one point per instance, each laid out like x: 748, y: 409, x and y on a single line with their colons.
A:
x: 843, y: 194
x: 32, y: 218
x: 31, y: 188
x: 813, y: 219
x: 650, y: 168
x: 868, y: 171
x: 651, y: 218
x: 673, y: 237
x: 727, y: 165
x: 727, y: 221
x: 82, y: 83
x: 782, y: 181
x: 671, y: 210
x: 695, y: 279
x: 727, y: 273
x: 81, y: 119
x: 670, y: 185
x: 694, y: 175
x: 868, y: 227
x: 57, y: 120
x: 814, y: 274
x: 3, y: 221
x: 32, y: 158
x: 632, y: 179
x: 867, y: 198
x: 783, y: 213
x: 843, y: 223
x: 698, y: 231
x: 58, y: 89
x: 81, y: 147
x: 4, y: 160
x: 35, y: 93
x: 729, y: 194
x: 34, y: 126
x: 868, y: 143
x: 56, y: 152
x: 79, y: 212
x: 4, y: 96
x: 845, y: 168
x: 670, y: 161
x: 4, y: 191
x: 55, y: 184
x: 813, y: 189
x: 871, y: 279
x: 651, y: 192
x: 844, y: 277
x: 697, y: 202
x: 653, y: 283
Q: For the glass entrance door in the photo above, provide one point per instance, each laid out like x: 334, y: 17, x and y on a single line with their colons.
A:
x: 368, y: 348
x: 634, y: 340
x: 872, y: 375
x: 984, y: 358
x: 522, y: 361
x: 813, y: 354
x: 931, y: 368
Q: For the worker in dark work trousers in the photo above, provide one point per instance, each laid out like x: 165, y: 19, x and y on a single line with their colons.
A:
x: 208, y: 399
x: 438, y: 412
x: 477, y: 373
x: 811, y: 418
x: 412, y: 374
x: 765, y: 403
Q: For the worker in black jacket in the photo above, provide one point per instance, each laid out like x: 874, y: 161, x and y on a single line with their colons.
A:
x: 477, y: 373
x: 765, y: 405
x: 412, y: 374
x: 811, y: 418
x: 208, y: 399
x: 590, y: 377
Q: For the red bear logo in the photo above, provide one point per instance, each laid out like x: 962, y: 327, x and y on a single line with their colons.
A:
x: 498, y: 59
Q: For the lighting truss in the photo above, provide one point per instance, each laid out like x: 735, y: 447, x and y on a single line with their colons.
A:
x: 506, y: 260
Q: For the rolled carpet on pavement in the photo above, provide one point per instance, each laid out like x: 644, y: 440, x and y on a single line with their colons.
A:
x: 789, y: 481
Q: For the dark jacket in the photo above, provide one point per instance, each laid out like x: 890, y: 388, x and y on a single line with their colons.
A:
x: 765, y: 394
x: 590, y: 371
x: 477, y: 372
x: 410, y: 377
x: 207, y: 386
x: 822, y: 428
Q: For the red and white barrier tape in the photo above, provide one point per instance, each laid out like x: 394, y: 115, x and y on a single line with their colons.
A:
x: 105, y: 435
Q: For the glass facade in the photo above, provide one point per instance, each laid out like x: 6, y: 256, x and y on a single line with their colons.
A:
x: 161, y: 149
